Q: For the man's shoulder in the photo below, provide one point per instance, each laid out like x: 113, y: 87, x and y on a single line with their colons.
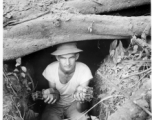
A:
x: 50, y: 71
x: 52, y: 65
x: 82, y: 65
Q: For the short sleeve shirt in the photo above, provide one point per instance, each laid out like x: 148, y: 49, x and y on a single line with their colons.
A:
x: 82, y: 74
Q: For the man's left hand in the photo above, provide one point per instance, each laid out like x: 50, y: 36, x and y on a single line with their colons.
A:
x: 83, y: 93
x: 79, y: 96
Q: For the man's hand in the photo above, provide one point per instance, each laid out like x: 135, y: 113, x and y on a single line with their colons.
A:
x: 50, y: 98
x: 83, y: 93
x: 79, y: 96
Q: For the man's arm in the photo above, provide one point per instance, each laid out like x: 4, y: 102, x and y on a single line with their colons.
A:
x: 51, y: 95
x: 80, y: 96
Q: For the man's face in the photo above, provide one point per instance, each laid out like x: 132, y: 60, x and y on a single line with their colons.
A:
x: 67, y: 62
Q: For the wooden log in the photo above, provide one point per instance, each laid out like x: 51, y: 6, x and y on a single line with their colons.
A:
x: 19, y: 9
x: 52, y: 29
x: 101, y: 6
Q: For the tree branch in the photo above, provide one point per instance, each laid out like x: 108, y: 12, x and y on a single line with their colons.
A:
x: 52, y: 29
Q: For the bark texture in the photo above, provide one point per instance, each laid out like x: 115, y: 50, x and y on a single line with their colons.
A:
x: 101, y: 6
x: 52, y: 29
x: 19, y: 9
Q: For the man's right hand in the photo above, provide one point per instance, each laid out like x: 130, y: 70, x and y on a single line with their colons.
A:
x: 50, y: 98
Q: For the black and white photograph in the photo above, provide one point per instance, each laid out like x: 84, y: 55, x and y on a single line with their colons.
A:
x: 76, y: 60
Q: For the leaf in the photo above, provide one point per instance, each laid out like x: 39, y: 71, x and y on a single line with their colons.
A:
x: 119, y: 59
x: 146, y: 51
x: 113, y: 45
x: 23, y: 75
x: 112, y: 53
x: 115, y: 57
x: 23, y: 69
x: 18, y: 62
x: 119, y: 53
x: 133, y: 39
x: 121, y: 49
x: 145, y: 58
x: 18, y: 105
x: 10, y: 73
x: 135, y: 48
x: 16, y: 70
x: 28, y: 88
x: 29, y: 83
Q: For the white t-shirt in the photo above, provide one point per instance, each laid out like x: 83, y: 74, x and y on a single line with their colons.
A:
x: 82, y: 74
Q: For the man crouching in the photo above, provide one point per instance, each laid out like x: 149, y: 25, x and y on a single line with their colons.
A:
x: 68, y: 80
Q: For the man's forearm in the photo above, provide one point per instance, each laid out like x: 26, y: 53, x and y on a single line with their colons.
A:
x: 55, y: 92
x: 82, y: 106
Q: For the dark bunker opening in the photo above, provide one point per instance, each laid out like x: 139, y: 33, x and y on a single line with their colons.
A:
x: 94, y: 52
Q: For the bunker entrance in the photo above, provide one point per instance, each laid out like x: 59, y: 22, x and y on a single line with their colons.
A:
x: 23, y: 77
x: 94, y: 51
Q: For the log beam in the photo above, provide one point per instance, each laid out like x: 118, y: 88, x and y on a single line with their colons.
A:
x: 100, y: 6
x: 19, y: 9
x: 52, y: 29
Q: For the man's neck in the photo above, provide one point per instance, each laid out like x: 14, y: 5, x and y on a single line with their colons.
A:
x: 65, y: 76
x: 67, y: 73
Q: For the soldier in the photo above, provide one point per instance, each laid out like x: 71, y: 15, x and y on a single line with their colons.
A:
x: 68, y: 80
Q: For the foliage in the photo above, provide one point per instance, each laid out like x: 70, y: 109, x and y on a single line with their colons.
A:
x: 125, y: 73
x: 18, y: 86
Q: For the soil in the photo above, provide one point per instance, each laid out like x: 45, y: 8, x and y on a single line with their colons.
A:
x: 124, y: 76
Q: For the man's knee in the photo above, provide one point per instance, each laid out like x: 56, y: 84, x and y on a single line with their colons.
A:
x: 50, y: 116
x: 80, y: 117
